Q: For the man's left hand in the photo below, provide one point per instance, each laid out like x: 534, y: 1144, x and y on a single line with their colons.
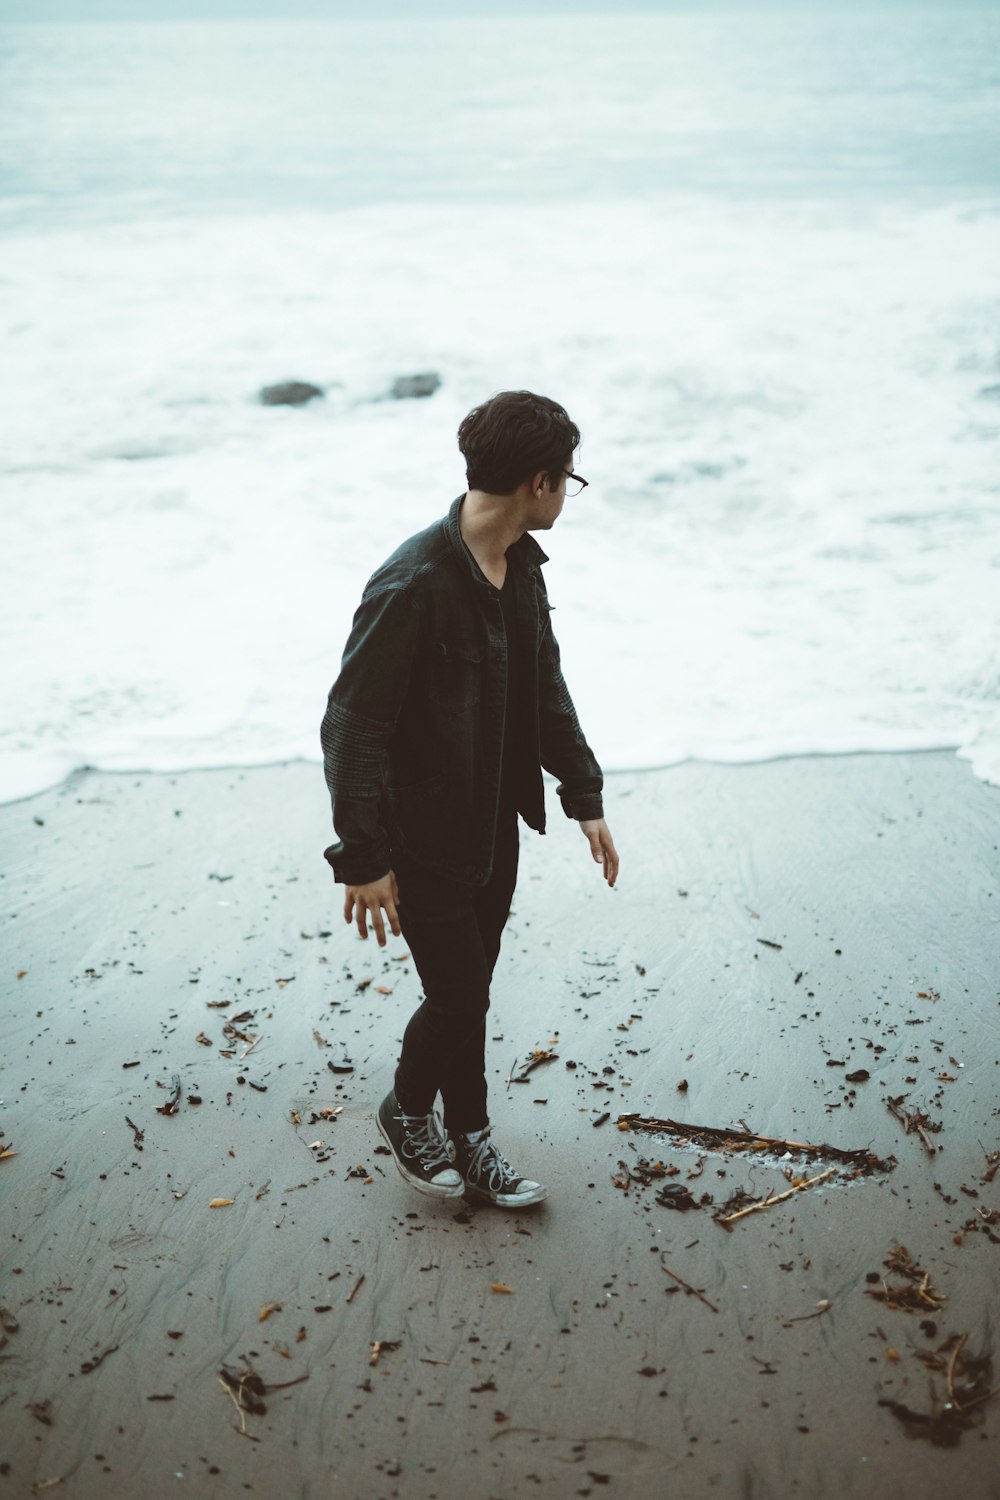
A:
x: 602, y: 846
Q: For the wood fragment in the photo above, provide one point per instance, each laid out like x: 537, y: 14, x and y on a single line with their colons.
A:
x: 692, y: 1290
x: 821, y: 1308
x: 769, y: 1202
x: 534, y: 1060
x: 355, y: 1287
x: 171, y: 1105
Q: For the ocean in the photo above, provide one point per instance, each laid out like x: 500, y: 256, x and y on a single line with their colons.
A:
x: 756, y: 256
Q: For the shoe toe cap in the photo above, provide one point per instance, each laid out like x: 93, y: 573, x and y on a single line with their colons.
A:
x: 447, y: 1177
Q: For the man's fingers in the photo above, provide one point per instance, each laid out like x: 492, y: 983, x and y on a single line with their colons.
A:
x: 361, y: 912
x: 379, y: 926
x: 393, y: 915
x: 595, y: 845
x: 348, y: 906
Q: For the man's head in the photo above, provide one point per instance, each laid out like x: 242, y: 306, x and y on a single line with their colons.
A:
x: 513, y: 437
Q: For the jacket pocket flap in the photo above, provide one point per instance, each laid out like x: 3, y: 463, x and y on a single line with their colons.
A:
x: 461, y: 650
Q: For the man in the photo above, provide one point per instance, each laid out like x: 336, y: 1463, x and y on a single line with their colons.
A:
x: 449, y: 703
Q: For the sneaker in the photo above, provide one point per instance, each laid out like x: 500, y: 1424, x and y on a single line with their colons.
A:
x: 420, y: 1148
x: 489, y: 1177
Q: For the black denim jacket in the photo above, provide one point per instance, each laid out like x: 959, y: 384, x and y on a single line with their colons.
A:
x: 413, y: 732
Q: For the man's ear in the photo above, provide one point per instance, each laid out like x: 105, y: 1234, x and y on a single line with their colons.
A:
x: 540, y: 483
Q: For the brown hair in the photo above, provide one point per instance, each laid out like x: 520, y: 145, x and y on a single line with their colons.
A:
x: 511, y: 437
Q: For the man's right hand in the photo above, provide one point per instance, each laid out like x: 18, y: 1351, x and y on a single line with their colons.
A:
x: 361, y: 900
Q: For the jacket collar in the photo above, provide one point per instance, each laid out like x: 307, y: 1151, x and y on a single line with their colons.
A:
x: 525, y: 546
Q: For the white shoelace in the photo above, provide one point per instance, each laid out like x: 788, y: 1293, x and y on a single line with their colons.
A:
x: 489, y: 1166
x: 423, y: 1138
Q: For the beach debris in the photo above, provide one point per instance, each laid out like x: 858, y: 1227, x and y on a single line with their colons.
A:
x: 267, y: 1310
x: 222, y: 1202
x: 90, y: 1365
x: 382, y: 989
x: 913, y: 1121
x: 171, y: 1105
x: 134, y: 1064
x: 8, y: 1325
x: 682, y: 1086
x: 356, y: 1287
x: 601, y: 1119
x: 409, y: 387
x: 915, y: 1293
x: 807, y: 1182
x: 288, y: 393
x: 380, y: 1347
x: 692, y: 1291
x: 766, y: 943
x: 992, y: 1163
x: 342, y: 1067
x: 319, y: 1039
x: 821, y: 1308
x: 861, y: 1075
x: 46, y: 1484
x: 247, y: 1390
x: 502, y: 1288
x: 676, y: 1195
x: 138, y: 1135
x: 968, y: 1387
x: 535, y: 1059
x: 7, y: 1151
x: 41, y: 1411
x: 725, y: 1139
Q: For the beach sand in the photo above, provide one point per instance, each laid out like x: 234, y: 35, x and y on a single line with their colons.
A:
x: 776, y: 927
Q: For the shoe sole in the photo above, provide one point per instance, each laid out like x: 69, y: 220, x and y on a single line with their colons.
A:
x: 518, y: 1200
x: 418, y: 1182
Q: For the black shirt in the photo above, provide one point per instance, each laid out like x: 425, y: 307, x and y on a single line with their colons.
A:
x: 514, y: 770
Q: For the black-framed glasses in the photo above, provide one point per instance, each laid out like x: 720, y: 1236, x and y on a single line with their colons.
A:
x: 575, y: 483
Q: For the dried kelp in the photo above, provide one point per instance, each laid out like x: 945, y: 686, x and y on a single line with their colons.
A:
x: 914, y: 1121
x: 915, y: 1293
x: 968, y: 1381
x: 247, y: 1390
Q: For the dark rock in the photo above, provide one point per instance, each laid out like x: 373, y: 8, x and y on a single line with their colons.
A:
x: 415, y: 385
x: 288, y: 393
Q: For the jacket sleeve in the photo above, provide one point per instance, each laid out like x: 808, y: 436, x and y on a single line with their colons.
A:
x: 564, y: 750
x: 361, y: 713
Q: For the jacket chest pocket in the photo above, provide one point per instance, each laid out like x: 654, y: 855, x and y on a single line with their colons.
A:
x: 457, y: 677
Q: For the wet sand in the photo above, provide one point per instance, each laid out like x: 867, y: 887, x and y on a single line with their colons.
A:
x: 776, y: 928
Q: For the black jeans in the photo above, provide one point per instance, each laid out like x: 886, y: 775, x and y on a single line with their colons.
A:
x: 453, y: 932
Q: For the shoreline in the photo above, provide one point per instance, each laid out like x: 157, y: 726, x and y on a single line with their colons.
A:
x: 777, y: 926
x: 232, y: 767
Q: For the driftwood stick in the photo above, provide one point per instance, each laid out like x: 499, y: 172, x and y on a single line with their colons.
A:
x: 734, y: 1140
x: 756, y: 1208
x: 951, y: 1371
x: 687, y: 1286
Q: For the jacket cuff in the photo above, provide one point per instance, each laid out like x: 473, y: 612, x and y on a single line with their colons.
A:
x: 360, y: 866
x: 583, y: 806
